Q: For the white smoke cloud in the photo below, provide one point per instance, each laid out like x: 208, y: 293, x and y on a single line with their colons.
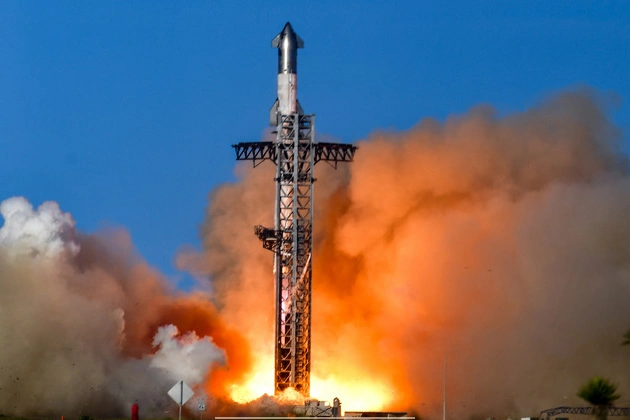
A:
x: 47, y: 231
x: 187, y: 358
x: 78, y: 315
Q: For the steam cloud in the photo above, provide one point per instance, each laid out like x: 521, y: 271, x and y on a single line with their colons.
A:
x: 498, y: 242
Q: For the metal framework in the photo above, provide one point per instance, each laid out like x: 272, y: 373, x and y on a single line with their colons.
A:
x: 295, y: 153
x: 260, y: 151
x: 611, y: 411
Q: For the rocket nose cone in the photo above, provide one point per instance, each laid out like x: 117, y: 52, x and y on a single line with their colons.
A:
x: 288, y: 30
x: 289, y: 34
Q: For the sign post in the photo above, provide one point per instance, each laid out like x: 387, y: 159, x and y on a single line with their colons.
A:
x: 180, y: 393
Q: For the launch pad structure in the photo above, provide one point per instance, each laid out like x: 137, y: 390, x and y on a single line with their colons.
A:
x: 295, y: 152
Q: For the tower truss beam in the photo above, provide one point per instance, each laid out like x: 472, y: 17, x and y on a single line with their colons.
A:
x: 258, y: 152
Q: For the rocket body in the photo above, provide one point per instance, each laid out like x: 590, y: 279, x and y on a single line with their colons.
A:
x: 287, y: 93
x: 287, y: 42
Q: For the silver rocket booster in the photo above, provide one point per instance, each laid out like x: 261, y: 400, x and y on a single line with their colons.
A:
x: 287, y: 42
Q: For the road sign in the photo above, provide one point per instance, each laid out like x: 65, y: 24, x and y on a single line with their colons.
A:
x: 180, y: 393
x: 201, y: 406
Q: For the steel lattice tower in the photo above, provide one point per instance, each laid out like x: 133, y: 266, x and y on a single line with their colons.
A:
x: 295, y: 153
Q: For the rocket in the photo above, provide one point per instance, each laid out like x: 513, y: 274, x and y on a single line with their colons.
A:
x: 287, y: 42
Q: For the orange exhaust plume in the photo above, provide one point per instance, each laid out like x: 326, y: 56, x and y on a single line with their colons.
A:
x: 498, y: 241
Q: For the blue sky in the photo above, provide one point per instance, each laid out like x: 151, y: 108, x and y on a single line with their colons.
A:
x: 124, y: 112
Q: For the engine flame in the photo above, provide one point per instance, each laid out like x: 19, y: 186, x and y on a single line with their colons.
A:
x: 255, y: 386
x: 358, y: 395
x: 355, y: 393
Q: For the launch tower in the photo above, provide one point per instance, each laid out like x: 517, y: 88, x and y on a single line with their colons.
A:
x: 295, y: 153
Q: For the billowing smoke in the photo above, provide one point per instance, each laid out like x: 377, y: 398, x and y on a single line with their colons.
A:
x: 87, y: 328
x: 497, y: 243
